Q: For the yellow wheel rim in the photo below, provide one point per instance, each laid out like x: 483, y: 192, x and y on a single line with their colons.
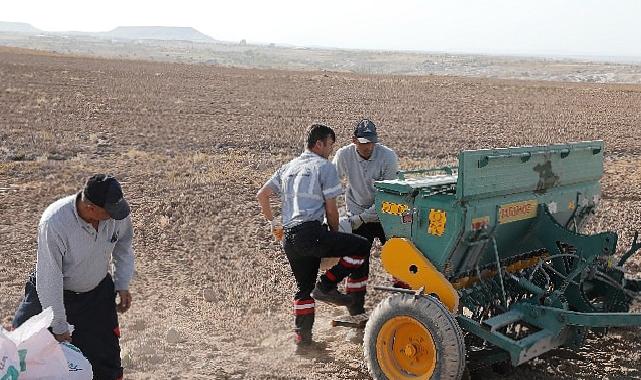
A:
x: 405, y: 349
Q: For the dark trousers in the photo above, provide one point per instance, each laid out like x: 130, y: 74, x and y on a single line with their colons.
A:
x: 95, y: 321
x: 375, y: 230
x: 356, y: 283
x: 304, y: 246
x: 370, y: 231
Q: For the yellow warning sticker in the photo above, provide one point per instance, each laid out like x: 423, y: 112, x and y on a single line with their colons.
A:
x: 513, y: 212
x: 437, y: 222
x: 394, y: 208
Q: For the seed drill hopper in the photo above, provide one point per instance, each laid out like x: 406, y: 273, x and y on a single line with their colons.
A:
x: 498, y: 268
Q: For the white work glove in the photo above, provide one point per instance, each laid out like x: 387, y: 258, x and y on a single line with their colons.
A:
x: 344, y: 224
x: 277, y: 229
x: 356, y: 221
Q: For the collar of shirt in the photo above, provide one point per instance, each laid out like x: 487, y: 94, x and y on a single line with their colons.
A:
x: 371, y: 157
x: 309, y: 153
x: 85, y: 226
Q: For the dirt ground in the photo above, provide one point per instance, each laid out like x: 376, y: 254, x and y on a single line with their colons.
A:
x: 192, y: 144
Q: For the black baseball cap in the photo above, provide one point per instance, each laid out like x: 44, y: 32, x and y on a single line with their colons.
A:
x: 365, y: 132
x: 104, y: 191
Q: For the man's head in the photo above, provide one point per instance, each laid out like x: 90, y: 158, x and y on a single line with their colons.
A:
x: 103, y: 198
x: 321, y: 139
x: 365, y: 137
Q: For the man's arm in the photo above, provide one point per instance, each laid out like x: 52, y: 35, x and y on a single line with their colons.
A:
x: 369, y: 215
x: 391, y: 168
x: 49, y: 285
x: 331, y: 187
x: 338, y: 163
x: 123, y: 256
x: 271, y: 187
x: 331, y: 213
x: 266, y: 209
x: 263, y: 201
x: 390, y: 171
x: 123, y: 264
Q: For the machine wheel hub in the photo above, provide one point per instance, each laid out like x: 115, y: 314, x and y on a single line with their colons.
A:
x: 406, y: 349
x: 409, y: 350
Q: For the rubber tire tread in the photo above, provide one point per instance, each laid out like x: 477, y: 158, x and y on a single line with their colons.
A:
x: 446, y: 333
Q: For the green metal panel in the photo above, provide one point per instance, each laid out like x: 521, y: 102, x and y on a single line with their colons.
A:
x: 493, y: 172
x: 433, y: 245
x: 486, y: 182
x: 394, y: 224
x: 405, y: 192
x: 512, y: 238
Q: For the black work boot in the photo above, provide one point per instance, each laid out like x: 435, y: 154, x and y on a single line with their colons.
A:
x: 330, y: 294
x: 303, y: 341
x: 303, y: 337
x: 358, y: 304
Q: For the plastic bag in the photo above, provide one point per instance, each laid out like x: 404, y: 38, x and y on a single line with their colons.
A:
x: 41, y: 356
x: 9, y: 362
x: 78, y: 366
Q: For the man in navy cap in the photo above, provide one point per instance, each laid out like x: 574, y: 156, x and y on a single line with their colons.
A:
x: 80, y: 238
x: 362, y: 162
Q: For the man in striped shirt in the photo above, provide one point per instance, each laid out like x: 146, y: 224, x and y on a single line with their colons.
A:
x: 308, y: 187
x: 79, y: 238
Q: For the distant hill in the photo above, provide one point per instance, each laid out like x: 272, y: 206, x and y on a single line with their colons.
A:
x: 171, y: 33
x: 19, y: 27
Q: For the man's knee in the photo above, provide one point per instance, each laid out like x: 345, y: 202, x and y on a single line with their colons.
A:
x: 363, y: 246
x: 29, y: 306
x: 25, y: 311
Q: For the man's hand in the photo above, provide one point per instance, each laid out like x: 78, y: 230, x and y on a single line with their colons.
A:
x: 356, y: 221
x: 277, y: 229
x: 125, y: 301
x: 64, y: 337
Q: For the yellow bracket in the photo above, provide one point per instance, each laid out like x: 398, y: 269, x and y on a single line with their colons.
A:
x: 403, y: 260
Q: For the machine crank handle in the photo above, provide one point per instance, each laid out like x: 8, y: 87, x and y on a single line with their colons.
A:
x: 633, y: 248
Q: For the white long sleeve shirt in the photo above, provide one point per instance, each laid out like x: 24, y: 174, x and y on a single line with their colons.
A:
x: 73, y: 256
x: 361, y: 174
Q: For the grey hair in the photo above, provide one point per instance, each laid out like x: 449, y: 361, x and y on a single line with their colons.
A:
x: 84, y: 199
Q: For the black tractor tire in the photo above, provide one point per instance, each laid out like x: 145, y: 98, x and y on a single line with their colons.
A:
x: 430, y: 314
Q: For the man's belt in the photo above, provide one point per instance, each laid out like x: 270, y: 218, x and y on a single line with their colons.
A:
x: 302, y: 226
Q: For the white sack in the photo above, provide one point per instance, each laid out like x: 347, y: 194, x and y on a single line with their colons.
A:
x: 78, y: 366
x: 40, y: 354
x: 9, y: 362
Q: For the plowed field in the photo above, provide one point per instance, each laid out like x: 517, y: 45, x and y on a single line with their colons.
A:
x: 192, y: 144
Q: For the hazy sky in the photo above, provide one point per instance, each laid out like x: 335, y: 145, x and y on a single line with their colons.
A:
x: 572, y: 27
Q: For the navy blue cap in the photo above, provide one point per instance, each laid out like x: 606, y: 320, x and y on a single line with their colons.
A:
x: 365, y: 132
x: 104, y: 191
